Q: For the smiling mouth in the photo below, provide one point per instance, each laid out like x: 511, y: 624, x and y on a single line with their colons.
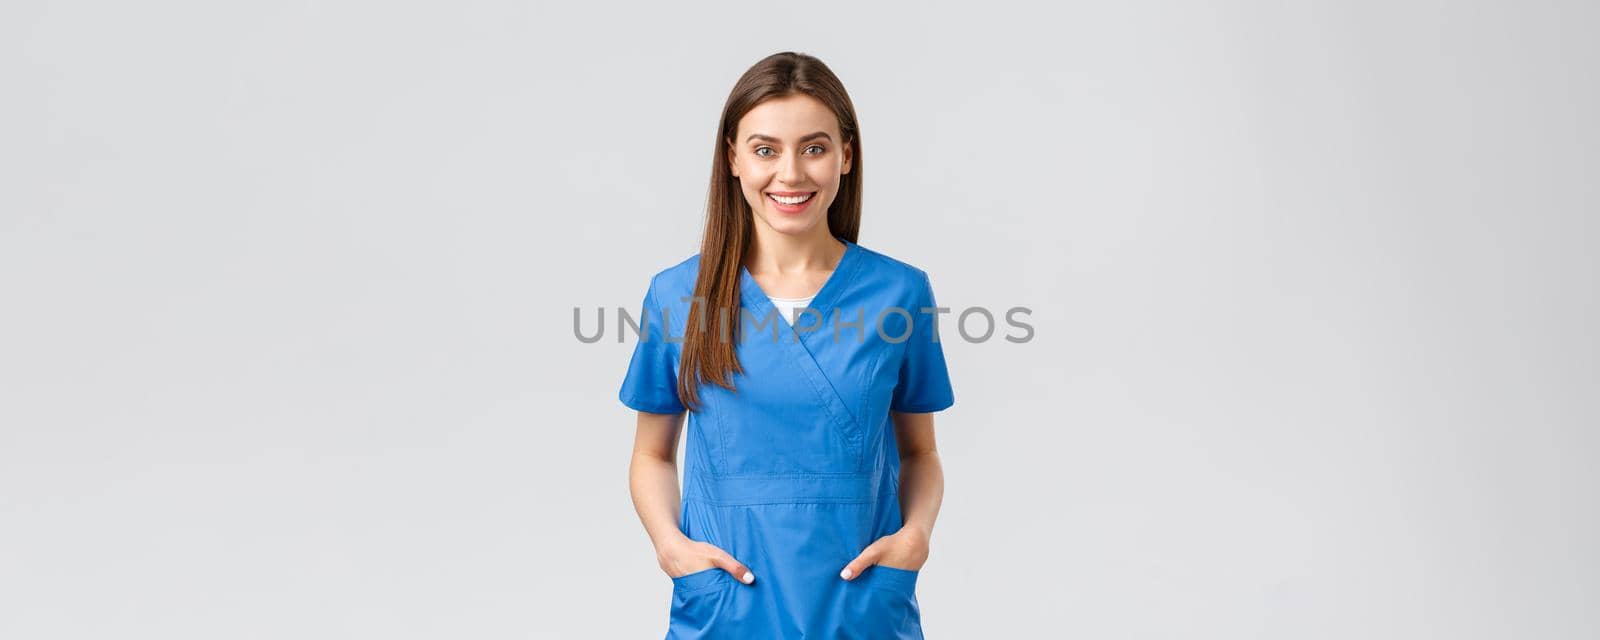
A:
x: 791, y: 200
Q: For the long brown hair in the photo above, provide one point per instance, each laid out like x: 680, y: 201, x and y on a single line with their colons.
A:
x: 707, y: 355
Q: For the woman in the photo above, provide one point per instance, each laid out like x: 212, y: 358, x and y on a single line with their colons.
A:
x: 811, y: 480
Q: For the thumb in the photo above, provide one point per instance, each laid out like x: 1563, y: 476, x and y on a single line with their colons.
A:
x: 734, y: 568
x: 868, y: 557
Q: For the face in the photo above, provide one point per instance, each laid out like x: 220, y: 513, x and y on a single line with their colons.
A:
x: 788, y: 155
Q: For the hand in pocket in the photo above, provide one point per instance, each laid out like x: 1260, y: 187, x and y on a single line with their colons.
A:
x: 906, y: 549
x: 685, y: 556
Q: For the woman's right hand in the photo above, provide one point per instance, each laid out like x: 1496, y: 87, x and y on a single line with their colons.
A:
x: 683, y: 556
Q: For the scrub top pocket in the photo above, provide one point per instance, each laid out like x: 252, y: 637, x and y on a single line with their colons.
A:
x: 700, y: 581
x: 884, y: 605
x: 697, y: 599
x: 891, y: 579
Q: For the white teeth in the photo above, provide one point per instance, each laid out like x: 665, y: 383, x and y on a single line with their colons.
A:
x: 792, y: 199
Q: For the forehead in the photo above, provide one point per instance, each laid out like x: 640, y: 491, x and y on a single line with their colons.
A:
x: 788, y: 118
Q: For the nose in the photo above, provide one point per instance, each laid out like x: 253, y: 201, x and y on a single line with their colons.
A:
x: 789, y: 170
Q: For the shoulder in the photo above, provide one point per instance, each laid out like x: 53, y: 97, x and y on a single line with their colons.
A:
x: 677, y: 280
x: 892, y: 273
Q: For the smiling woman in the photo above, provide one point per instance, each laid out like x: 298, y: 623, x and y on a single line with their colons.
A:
x: 811, y: 478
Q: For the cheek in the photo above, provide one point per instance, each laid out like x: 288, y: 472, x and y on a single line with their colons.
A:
x: 753, y: 175
x: 827, y: 178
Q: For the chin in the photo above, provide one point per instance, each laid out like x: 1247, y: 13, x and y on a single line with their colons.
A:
x: 790, y: 226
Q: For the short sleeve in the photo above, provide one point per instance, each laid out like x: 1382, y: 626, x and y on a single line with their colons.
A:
x: 924, y: 384
x: 651, y: 384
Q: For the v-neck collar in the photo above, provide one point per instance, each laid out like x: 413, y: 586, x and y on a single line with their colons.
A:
x: 757, y: 300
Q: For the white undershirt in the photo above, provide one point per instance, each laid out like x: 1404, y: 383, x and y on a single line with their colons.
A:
x: 786, y: 306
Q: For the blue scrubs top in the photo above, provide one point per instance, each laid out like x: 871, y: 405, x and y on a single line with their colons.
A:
x: 795, y: 472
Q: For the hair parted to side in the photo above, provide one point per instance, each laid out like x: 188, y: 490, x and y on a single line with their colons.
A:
x: 708, y: 356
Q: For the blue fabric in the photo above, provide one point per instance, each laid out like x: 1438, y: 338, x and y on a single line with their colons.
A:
x: 796, y: 470
x: 652, y: 381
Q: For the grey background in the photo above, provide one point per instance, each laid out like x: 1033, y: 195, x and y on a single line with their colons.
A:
x: 286, y: 342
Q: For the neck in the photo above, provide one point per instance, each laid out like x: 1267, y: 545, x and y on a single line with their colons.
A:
x: 773, y: 252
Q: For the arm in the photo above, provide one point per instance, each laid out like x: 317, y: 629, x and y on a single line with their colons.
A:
x: 653, y: 475
x: 921, y: 474
x: 921, y: 493
x: 653, y: 481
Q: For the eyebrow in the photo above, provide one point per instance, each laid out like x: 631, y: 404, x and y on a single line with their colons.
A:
x: 815, y: 134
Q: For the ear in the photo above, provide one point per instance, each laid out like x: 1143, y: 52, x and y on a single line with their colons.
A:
x: 733, y: 165
x: 849, y: 157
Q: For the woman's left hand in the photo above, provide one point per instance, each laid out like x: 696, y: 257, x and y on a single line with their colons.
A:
x: 904, y: 549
